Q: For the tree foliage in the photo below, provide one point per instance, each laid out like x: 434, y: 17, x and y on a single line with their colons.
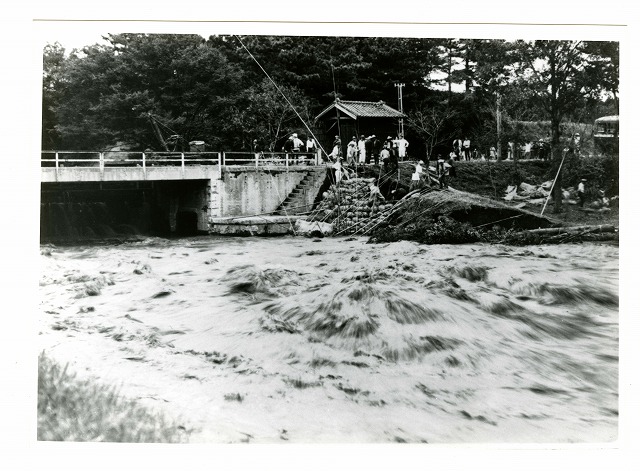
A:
x: 217, y: 90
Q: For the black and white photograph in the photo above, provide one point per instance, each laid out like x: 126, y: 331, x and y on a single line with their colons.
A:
x: 312, y: 233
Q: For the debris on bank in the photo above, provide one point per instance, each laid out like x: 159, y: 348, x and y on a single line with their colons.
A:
x: 436, y: 216
x: 535, y: 195
x: 432, y: 215
x: 528, y: 194
x: 428, y: 214
x: 560, y: 235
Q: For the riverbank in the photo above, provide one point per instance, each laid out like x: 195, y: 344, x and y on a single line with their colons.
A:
x: 472, y: 209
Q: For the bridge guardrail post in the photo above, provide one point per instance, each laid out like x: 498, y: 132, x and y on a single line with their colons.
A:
x: 101, y: 159
x: 144, y: 166
x: 182, y: 162
x: 286, y: 161
x: 57, y: 165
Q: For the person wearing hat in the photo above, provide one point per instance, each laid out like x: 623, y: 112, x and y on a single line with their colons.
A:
x: 376, y: 147
x: 337, y: 149
x: 581, y: 191
x: 352, y: 151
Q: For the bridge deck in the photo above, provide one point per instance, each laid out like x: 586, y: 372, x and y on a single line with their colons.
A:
x: 90, y: 166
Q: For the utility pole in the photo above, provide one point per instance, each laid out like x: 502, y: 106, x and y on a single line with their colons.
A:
x: 400, y: 121
x: 499, y: 125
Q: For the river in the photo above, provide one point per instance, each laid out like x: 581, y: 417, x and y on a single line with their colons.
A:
x: 335, y: 340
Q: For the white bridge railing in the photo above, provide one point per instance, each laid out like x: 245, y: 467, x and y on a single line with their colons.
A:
x: 120, y: 159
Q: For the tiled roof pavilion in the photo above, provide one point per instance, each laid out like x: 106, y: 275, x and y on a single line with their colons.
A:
x: 363, y: 109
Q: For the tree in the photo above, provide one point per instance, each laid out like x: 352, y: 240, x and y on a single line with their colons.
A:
x: 561, y: 74
x: 261, y: 113
x: 431, y: 123
x: 52, y: 82
x: 112, y: 89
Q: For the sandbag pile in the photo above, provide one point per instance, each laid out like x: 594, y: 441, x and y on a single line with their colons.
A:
x: 348, y: 207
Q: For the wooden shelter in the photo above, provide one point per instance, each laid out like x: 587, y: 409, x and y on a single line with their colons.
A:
x: 355, y: 118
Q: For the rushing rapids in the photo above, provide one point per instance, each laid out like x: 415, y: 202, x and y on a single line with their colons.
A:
x: 336, y: 340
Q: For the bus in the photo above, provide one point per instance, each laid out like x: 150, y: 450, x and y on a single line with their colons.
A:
x: 605, y: 134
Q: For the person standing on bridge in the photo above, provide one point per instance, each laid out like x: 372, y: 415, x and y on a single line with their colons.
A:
x: 298, y: 146
x: 311, y: 147
x: 255, y: 147
x: 297, y: 143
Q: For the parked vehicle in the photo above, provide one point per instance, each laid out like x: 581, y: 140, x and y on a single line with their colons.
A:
x: 605, y: 135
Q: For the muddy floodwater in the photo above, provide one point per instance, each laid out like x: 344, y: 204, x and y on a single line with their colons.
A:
x: 336, y: 340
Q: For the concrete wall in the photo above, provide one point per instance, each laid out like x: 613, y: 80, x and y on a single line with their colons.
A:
x: 247, y: 190
x: 202, y: 190
x: 85, y: 174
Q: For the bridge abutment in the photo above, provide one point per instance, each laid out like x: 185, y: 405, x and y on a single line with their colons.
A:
x: 85, y: 203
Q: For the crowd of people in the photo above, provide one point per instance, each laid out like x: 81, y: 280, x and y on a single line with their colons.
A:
x: 389, y: 151
x: 371, y: 149
x: 540, y: 149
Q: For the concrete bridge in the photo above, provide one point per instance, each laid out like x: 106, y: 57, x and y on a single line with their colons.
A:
x: 172, y: 192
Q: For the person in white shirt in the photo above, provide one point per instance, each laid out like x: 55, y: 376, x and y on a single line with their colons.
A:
x: 466, y: 148
x: 402, y: 144
x: 581, y: 195
x: 374, y: 193
x: 362, y: 150
x: 352, y: 150
x: 338, y: 168
x: 297, y: 143
x: 311, y: 146
x: 416, y: 177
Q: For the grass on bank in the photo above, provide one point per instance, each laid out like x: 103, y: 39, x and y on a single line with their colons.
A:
x: 70, y: 409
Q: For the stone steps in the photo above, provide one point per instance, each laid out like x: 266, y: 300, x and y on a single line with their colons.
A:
x: 297, y: 202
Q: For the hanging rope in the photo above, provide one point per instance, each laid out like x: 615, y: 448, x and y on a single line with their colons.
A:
x: 564, y: 154
x: 162, y: 124
x: 282, y: 93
